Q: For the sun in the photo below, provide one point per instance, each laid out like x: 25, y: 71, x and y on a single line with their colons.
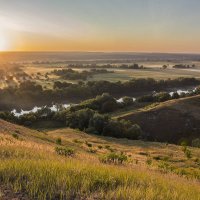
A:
x: 3, y: 42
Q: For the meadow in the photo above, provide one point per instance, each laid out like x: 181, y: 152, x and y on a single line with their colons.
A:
x: 31, y: 168
x: 153, y: 70
x: 42, y: 73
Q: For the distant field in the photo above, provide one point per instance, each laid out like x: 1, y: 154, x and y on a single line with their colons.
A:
x: 152, y: 71
x: 127, y: 74
x: 38, y: 73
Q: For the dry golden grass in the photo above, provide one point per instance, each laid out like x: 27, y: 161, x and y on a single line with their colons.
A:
x: 29, y: 163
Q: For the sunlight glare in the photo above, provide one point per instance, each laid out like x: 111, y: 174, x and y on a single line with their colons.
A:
x: 3, y: 42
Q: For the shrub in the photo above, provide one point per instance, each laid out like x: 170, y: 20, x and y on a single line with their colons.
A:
x: 188, y: 153
x: 15, y: 135
x: 63, y: 151
x: 107, y: 147
x: 196, y: 142
x: 115, y: 158
x: 92, y: 150
x: 88, y: 144
x: 77, y: 141
x: 149, y: 161
x: 162, y: 96
x: 134, y: 132
x: 100, y: 147
x: 59, y: 141
x: 17, y: 131
x: 165, y: 167
x: 127, y: 101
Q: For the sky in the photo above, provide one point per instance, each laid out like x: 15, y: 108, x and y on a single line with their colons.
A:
x: 100, y: 25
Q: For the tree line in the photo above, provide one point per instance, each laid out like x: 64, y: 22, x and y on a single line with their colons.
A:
x: 29, y: 94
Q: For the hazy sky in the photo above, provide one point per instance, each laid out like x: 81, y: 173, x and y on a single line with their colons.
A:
x: 100, y: 25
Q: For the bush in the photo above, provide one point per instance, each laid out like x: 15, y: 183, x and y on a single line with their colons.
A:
x: 127, y: 101
x: 63, y: 151
x: 188, y: 153
x: 114, y: 158
x: 162, y: 96
x: 149, y: 161
x: 59, y: 141
x: 88, y: 144
x: 165, y: 167
x: 134, y: 132
x: 15, y: 135
x: 196, y: 142
x: 100, y: 147
x: 92, y: 150
x: 77, y: 141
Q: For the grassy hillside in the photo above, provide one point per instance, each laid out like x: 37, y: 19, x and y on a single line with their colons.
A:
x: 170, y: 121
x: 31, y: 168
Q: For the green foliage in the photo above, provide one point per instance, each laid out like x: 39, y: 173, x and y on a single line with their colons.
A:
x: 64, y: 151
x: 59, y: 141
x: 187, y: 152
x: 77, y: 141
x: 115, y: 158
x: 127, y: 101
x: 94, y: 123
x: 196, y: 142
x: 35, y: 93
x: 162, y: 96
x: 165, y: 167
x: 92, y: 150
x: 15, y: 135
x: 149, y: 161
x: 88, y: 144
x: 100, y: 146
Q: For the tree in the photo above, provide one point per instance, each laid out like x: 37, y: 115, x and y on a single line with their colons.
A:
x: 175, y: 95
x: 164, y: 66
x: 134, y: 132
x: 127, y: 101
x: 98, y: 122
x: 162, y: 96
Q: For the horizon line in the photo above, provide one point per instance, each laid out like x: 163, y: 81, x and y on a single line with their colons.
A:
x: 133, y: 52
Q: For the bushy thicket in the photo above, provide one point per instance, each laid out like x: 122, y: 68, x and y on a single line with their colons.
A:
x: 165, y: 96
x: 29, y: 94
x: 89, y: 116
x: 92, y: 122
x: 104, y: 103
x: 71, y: 74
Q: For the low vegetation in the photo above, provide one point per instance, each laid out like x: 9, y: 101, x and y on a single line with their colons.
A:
x: 41, y: 170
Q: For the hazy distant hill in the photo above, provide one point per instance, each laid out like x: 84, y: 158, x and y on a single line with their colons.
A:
x: 97, y: 56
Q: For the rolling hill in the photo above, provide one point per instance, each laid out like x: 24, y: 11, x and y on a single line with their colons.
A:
x: 31, y: 168
x: 171, y: 121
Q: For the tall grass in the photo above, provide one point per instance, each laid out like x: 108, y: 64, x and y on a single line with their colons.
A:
x: 35, y: 168
x: 70, y: 179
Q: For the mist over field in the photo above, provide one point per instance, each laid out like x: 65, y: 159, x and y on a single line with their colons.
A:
x: 96, y: 57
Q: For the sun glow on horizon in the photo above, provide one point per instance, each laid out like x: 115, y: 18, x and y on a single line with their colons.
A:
x: 4, y: 44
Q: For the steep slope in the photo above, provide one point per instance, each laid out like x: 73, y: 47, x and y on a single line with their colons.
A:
x: 171, y: 121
